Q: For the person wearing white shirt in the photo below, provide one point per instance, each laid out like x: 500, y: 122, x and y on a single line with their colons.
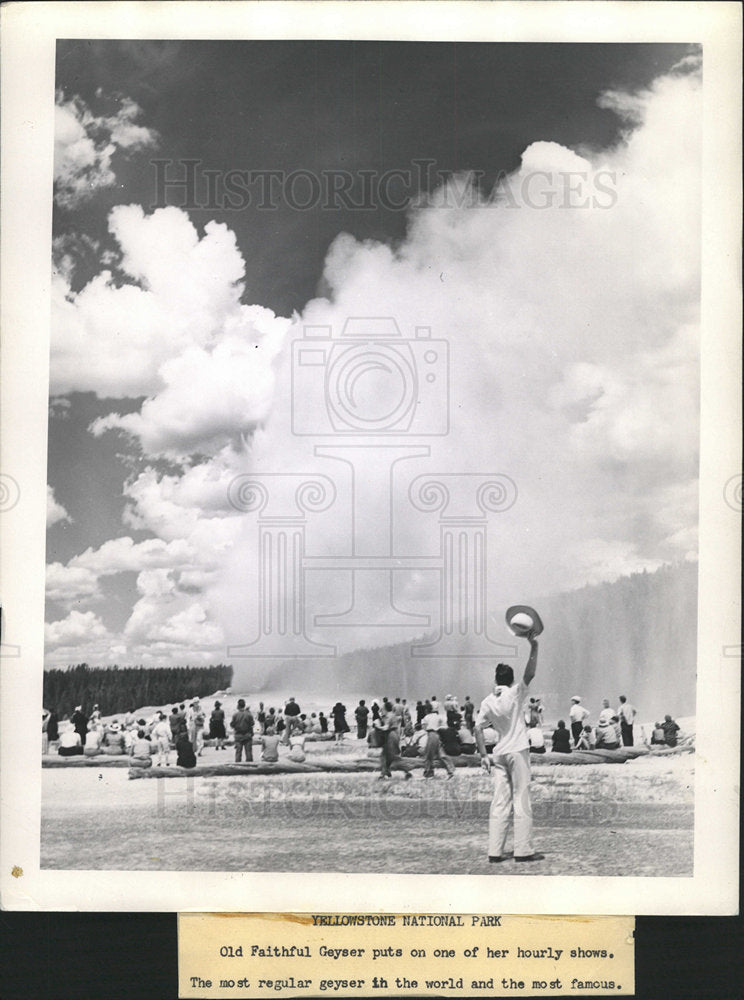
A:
x: 537, y: 739
x: 503, y: 711
x: 626, y: 714
x: 92, y: 746
x: 161, y: 733
x: 578, y: 716
x: 70, y: 744
x: 605, y: 716
x: 433, y: 752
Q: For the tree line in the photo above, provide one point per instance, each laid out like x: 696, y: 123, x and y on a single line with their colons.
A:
x: 121, y: 689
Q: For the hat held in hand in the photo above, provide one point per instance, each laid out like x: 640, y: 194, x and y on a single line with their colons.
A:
x: 523, y: 620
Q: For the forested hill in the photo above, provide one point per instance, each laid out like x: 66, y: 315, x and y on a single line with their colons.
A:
x: 636, y: 636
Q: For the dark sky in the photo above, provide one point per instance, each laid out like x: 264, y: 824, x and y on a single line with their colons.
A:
x: 329, y: 106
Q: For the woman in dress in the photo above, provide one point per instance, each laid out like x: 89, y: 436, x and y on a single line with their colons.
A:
x: 217, y: 725
x: 340, y: 725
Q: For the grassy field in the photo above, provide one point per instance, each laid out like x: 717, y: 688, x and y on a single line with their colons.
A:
x: 634, y: 818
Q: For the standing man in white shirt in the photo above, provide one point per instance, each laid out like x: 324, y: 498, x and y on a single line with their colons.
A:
x: 503, y: 711
x: 626, y: 714
x: 578, y: 716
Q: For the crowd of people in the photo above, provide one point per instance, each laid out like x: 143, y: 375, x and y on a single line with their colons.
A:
x: 615, y: 728
x: 433, y: 730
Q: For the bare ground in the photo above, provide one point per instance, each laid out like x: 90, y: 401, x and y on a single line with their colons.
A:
x: 635, y: 818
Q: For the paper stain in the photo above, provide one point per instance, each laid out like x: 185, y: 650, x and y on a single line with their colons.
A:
x: 16, y: 871
x: 290, y: 918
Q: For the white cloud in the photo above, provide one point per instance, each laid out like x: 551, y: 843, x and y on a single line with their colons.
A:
x: 78, y: 629
x: 85, y: 144
x: 78, y: 580
x: 70, y: 584
x: 175, y: 322
x: 55, y: 511
x: 165, y: 614
x: 121, y: 555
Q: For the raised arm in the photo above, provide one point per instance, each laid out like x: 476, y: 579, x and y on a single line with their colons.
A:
x: 531, y: 669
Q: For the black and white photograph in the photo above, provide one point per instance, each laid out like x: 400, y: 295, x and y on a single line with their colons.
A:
x: 375, y: 513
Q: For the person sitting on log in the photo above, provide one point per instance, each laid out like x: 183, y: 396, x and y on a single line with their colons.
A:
x: 561, y: 739
x: 140, y: 755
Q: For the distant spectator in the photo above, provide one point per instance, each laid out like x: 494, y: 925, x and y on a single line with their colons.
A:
x: 586, y: 740
x: 433, y: 749
x: 242, y: 725
x: 141, y: 750
x: 217, y: 730
x: 537, y: 739
x: 361, y: 713
x: 671, y: 729
x: 297, y: 747
x: 533, y: 713
x: 578, y: 716
x: 420, y: 712
x: 340, y: 725
x: 291, y: 718
x: 626, y: 713
x: 454, y: 718
x: 407, y: 728
x: 561, y: 742
x: 270, y: 746
x: 80, y: 723
x: 468, y: 710
x: 323, y: 723
x: 52, y: 728
x: 415, y: 745
x: 383, y: 727
x: 657, y: 736
x: 44, y: 733
x: 93, y: 740
x: 185, y: 752
x: 161, y: 739
x: 449, y: 739
x: 605, y: 714
x: 113, y: 739
x: 177, y: 723
x: 70, y: 744
x: 466, y: 738
x: 607, y: 735
x: 198, y: 721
